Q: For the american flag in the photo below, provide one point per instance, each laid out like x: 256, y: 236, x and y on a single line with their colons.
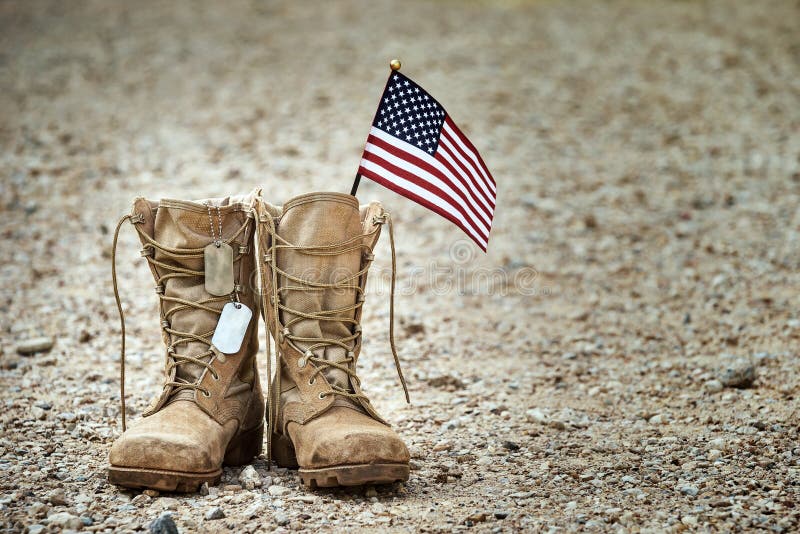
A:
x: 415, y: 149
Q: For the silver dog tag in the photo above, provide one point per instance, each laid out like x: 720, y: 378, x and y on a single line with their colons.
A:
x: 231, y: 327
x: 218, y: 268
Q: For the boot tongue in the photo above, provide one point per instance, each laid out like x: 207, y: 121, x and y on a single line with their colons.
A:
x: 320, y: 219
x: 185, y: 225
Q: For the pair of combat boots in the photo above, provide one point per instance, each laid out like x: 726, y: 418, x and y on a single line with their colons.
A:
x: 217, y: 264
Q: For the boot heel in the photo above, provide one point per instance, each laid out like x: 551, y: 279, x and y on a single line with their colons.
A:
x: 283, y: 451
x: 245, y: 446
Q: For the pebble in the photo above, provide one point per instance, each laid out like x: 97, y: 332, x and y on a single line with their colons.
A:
x: 658, y: 419
x: 281, y: 519
x: 65, y: 520
x: 714, y: 454
x: 535, y: 415
x: 163, y: 524
x: 38, y: 509
x: 57, y: 497
x: 168, y: 503
x: 689, y: 490
x: 249, y: 478
x: 141, y: 500
x: 740, y: 374
x: 254, y: 510
x: 441, y: 446
x: 278, y: 491
x: 714, y: 386
x: 35, y: 345
x: 35, y: 529
x: 215, y: 513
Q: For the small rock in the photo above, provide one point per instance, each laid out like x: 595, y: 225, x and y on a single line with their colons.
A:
x: 168, y: 503
x: 501, y: 514
x: 38, y: 509
x: 215, y: 513
x: 714, y: 454
x: 57, y: 497
x: 84, y: 337
x: 141, y: 500
x: 452, y: 424
x: 370, y: 492
x: 511, y: 446
x: 65, y: 520
x: 254, y: 510
x: 35, y: 345
x: 204, y: 488
x: 741, y: 374
x: 658, y: 419
x: 689, y: 490
x: 714, y: 386
x: 558, y: 425
x: 278, y: 491
x: 535, y: 415
x: 443, y: 445
x: 249, y: 478
x: 163, y: 524
x: 478, y: 517
x: 35, y: 529
x: 154, y: 493
x: 281, y: 519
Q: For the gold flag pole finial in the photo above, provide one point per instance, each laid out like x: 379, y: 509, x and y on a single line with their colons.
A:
x: 395, y: 64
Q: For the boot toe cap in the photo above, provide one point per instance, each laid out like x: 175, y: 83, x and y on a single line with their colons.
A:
x: 355, y: 439
x: 162, y: 451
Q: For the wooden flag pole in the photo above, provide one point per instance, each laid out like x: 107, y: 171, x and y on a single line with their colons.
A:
x: 394, y: 65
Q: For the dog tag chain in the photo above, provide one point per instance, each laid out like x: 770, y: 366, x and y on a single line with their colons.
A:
x: 218, y: 259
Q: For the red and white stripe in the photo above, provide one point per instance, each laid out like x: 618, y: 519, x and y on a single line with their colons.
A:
x: 453, y: 182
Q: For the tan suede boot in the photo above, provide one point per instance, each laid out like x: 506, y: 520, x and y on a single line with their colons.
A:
x: 316, y: 255
x: 211, y: 409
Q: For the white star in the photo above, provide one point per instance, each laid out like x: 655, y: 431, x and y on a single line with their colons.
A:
x: 408, y: 138
x: 430, y: 150
x: 405, y: 82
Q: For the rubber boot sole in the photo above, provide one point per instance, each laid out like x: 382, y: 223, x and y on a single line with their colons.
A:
x: 242, y: 448
x: 341, y: 475
x: 354, y: 475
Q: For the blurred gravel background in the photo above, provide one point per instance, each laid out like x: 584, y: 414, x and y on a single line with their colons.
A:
x: 624, y: 358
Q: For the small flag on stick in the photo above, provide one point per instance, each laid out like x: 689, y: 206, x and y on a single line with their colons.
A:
x: 415, y: 149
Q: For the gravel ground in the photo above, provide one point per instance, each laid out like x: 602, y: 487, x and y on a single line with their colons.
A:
x: 624, y: 358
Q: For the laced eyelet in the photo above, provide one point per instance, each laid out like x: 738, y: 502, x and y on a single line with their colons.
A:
x: 312, y: 381
x: 322, y: 395
x: 301, y: 363
x: 206, y: 393
x: 215, y: 377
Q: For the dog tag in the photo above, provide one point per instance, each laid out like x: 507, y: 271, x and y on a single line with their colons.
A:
x: 231, y: 327
x: 219, y: 268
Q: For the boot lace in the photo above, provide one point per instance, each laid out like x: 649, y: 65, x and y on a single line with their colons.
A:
x: 295, y: 283
x: 176, y: 338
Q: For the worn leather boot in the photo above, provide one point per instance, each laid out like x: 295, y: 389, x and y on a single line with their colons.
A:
x: 316, y: 254
x: 210, y: 411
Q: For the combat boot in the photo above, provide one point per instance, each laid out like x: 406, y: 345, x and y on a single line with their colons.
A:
x: 210, y: 411
x: 316, y: 253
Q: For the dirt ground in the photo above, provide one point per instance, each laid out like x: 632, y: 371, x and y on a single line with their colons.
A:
x: 625, y: 356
